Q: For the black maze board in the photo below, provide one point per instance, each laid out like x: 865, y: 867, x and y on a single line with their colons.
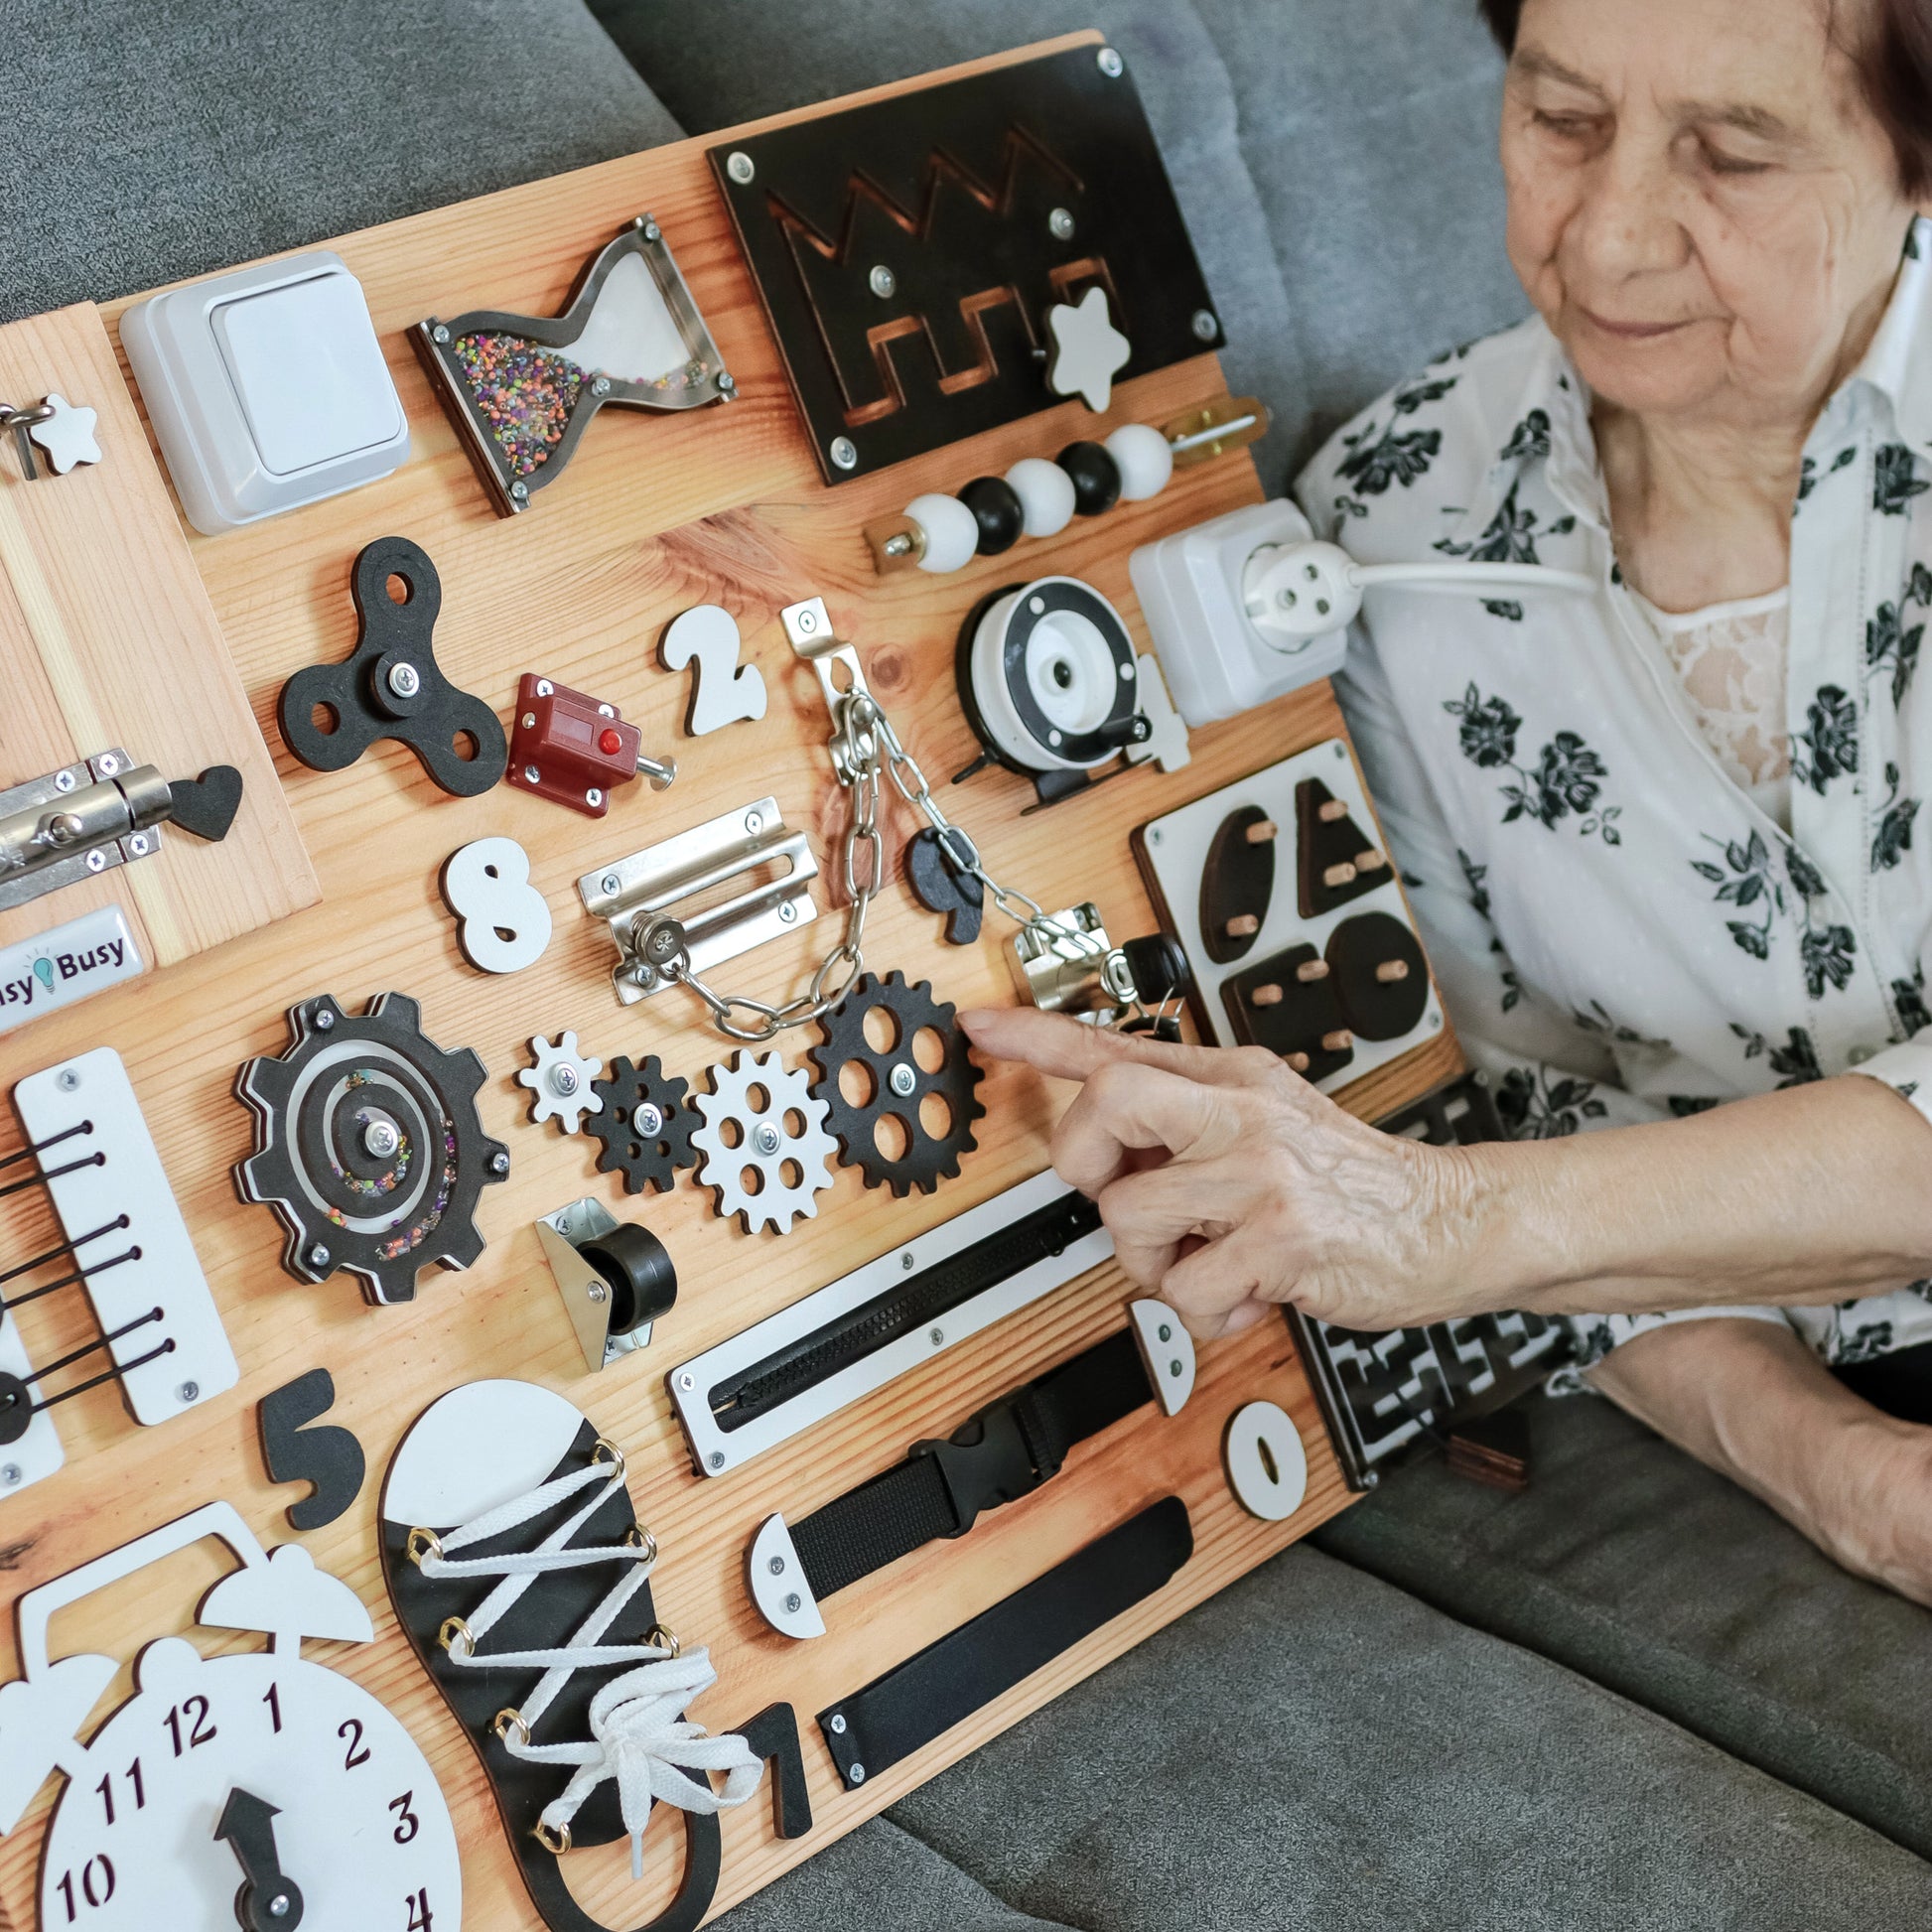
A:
x: 1292, y: 919
x: 1384, y: 1396
x: 908, y: 251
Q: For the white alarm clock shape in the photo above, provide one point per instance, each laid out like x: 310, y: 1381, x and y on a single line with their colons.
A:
x: 258, y: 1789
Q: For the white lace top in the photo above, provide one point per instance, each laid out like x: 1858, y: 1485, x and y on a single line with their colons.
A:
x: 1729, y: 661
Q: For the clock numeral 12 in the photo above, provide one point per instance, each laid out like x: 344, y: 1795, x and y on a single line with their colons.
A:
x: 419, y: 1912
x: 197, y: 1708
x: 106, y: 1789
x: 95, y: 1890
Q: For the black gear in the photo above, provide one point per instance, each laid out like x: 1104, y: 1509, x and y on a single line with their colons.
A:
x: 643, y: 1158
x: 929, y: 1156
x: 368, y: 1146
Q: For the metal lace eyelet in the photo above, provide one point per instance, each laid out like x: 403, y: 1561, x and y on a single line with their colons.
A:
x: 606, y: 1450
x: 639, y: 1538
x: 455, y: 1632
x: 664, y: 1639
x: 506, y: 1722
x: 554, y: 1840
x: 421, y: 1544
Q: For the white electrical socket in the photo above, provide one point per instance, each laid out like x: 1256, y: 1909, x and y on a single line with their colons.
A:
x: 1194, y: 588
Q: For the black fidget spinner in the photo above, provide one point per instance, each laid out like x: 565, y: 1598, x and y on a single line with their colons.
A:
x: 368, y: 1146
x: 897, y: 1084
x: 645, y: 1124
x: 390, y: 685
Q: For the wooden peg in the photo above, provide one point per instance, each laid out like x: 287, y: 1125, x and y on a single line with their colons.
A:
x: 1311, y: 970
x: 1332, y: 811
x: 1262, y: 832
x: 1392, y: 972
x: 1370, y: 861
x: 1338, y: 1042
x: 1341, y: 875
x: 1297, y: 1063
x: 1266, y: 995
x: 1244, y: 925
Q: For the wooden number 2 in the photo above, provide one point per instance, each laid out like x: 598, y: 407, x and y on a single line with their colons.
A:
x: 722, y: 689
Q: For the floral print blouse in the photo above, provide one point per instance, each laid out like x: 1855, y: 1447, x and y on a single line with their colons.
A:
x: 1621, y: 933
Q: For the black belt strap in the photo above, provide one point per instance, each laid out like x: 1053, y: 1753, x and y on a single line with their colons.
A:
x: 945, y: 1683
x: 1006, y: 1451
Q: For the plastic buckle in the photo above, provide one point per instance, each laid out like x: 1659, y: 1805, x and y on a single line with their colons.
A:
x: 987, y: 1463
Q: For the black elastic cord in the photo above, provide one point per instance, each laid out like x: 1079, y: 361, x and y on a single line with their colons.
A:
x: 113, y: 1374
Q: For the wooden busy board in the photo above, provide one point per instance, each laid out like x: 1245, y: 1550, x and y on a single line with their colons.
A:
x: 655, y: 514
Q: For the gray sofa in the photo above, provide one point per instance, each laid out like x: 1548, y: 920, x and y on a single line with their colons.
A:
x: 1631, y: 1698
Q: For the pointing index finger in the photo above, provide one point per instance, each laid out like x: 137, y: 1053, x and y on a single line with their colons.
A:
x: 1068, y: 1050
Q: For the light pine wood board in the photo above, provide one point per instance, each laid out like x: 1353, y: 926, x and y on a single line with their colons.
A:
x: 654, y: 515
x: 108, y: 637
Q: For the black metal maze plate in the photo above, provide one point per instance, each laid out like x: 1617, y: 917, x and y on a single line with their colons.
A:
x: 908, y: 251
x: 1385, y: 1395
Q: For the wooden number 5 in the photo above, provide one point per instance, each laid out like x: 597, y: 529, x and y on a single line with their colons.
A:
x: 722, y: 689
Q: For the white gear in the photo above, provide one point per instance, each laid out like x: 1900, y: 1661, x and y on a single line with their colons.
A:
x: 765, y: 1146
x: 560, y: 1080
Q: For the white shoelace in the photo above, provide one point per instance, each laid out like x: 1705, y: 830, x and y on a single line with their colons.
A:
x: 637, y: 1734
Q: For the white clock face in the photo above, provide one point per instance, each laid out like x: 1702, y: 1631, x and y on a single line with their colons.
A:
x: 360, y: 1829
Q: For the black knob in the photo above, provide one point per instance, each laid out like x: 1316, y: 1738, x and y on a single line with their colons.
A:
x: 997, y: 509
x: 1159, y: 967
x: 1096, y: 477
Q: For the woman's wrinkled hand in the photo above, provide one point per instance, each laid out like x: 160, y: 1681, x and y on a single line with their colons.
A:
x: 1229, y: 1183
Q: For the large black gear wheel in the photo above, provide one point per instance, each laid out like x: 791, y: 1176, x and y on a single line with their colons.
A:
x: 645, y: 1124
x: 368, y: 1146
x: 896, y: 1084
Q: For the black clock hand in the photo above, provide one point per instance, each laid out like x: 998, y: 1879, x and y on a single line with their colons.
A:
x: 267, y: 1900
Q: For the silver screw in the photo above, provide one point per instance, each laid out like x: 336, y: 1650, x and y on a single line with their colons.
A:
x: 789, y: 912
x: 1153, y: 837
x: 903, y: 1078
x: 405, y: 680
x: 108, y: 764
x: 906, y: 1260
x: 1110, y: 63
x: 597, y: 1291
x: 603, y: 709
x: 323, y: 1021
x: 138, y: 844
x: 544, y: 689
x: 793, y: 1601
x: 727, y: 381
x: 593, y: 798
x: 845, y: 453
x: 278, y: 1906
x: 755, y: 823
x: 1174, y: 1366
x: 1060, y: 223
x: 715, y: 1459
x: 10, y: 1473
x: 767, y: 1138
x: 937, y: 1338
x: 882, y: 281
x: 67, y: 1080
x: 530, y: 774
x: 499, y: 1163
x: 380, y: 1139
x: 520, y: 490
x: 651, y: 231
x: 601, y: 386
x: 857, y: 1775
x: 608, y: 881
x: 528, y: 721
x: 188, y: 1392
x: 647, y: 1120
x: 64, y: 782
x: 777, y: 1565
x: 836, y: 1726
x: 317, y: 1256
x: 1204, y: 324
x: 563, y: 1081
x: 1165, y: 1332
x: 687, y: 1382
x: 440, y: 333
x: 740, y: 167
x: 97, y: 862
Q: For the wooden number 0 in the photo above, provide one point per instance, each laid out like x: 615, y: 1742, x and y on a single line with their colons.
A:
x: 722, y: 689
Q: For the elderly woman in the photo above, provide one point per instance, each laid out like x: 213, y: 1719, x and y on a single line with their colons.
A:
x: 1665, y: 841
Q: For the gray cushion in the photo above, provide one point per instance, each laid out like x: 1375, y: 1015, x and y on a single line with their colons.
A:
x: 1336, y: 165
x: 154, y: 139
x: 1314, y: 1749
x: 1631, y: 1563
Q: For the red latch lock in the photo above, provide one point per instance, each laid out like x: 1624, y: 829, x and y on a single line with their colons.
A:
x: 576, y: 750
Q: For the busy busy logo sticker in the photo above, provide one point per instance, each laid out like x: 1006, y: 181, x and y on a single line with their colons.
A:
x: 56, y: 968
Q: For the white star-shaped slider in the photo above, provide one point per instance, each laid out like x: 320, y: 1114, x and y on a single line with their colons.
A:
x: 68, y: 436
x: 1087, y: 350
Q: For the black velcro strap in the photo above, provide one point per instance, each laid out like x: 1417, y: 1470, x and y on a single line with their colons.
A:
x: 1004, y: 1453
x: 945, y: 1683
